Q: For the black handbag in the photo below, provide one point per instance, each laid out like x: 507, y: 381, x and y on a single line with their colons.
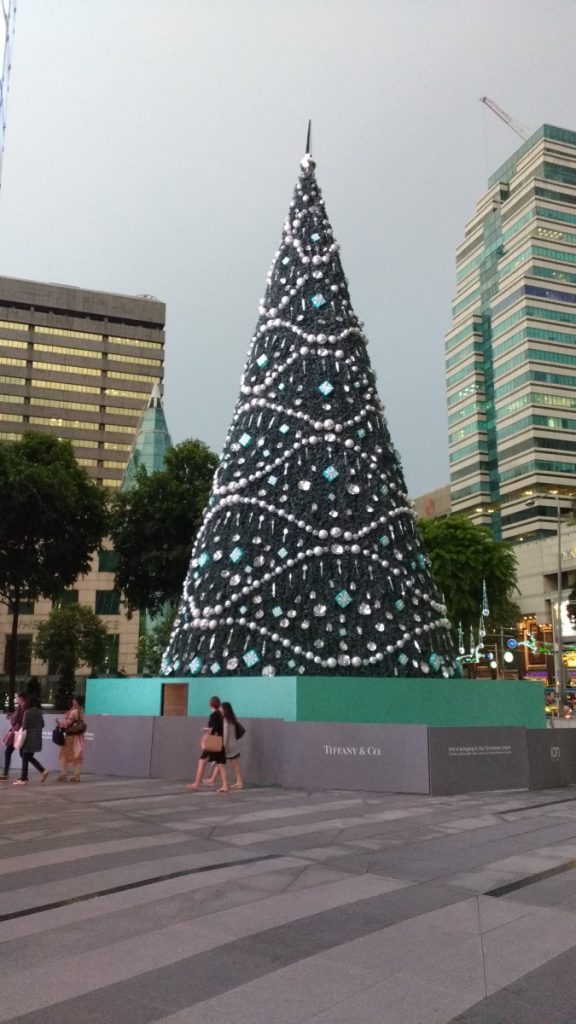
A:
x: 58, y: 736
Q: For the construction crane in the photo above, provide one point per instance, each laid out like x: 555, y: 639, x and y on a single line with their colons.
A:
x: 8, y: 8
x: 516, y: 126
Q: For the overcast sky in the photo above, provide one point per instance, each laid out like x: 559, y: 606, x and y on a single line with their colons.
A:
x: 152, y: 147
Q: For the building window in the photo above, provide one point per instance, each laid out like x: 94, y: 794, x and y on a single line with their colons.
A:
x: 13, y: 326
x: 107, y: 602
x: 25, y: 606
x: 139, y: 342
x: 61, y: 368
x: 66, y: 597
x: 23, y: 654
x: 114, y: 358
x: 6, y: 343
x: 107, y: 562
x: 60, y: 385
x: 64, y: 333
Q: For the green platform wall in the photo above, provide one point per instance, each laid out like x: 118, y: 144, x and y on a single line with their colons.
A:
x: 124, y: 696
x: 434, y: 702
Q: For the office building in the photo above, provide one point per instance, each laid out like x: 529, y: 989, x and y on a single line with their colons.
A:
x: 81, y: 365
x: 88, y: 367
x: 511, y: 350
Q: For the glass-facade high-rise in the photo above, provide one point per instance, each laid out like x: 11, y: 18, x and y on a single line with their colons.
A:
x: 511, y: 350
x: 80, y: 365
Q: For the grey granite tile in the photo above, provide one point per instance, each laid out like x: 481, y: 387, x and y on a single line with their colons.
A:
x: 105, y: 1009
x: 525, y: 944
x: 507, y: 1008
x: 441, y: 987
x: 559, y: 890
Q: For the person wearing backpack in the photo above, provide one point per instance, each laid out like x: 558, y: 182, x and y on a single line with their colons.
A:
x: 233, y: 732
x: 73, y: 750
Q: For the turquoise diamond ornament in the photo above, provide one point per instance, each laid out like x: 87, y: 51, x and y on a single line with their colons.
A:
x: 342, y: 598
x: 330, y: 473
x: 245, y: 440
x: 236, y: 554
x: 195, y: 665
x: 318, y: 300
x: 325, y: 388
x: 250, y: 658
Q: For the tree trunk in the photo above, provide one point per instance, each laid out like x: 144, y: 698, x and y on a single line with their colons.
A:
x: 14, y: 650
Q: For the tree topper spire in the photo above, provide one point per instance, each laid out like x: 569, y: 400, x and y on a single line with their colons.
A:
x: 308, y: 163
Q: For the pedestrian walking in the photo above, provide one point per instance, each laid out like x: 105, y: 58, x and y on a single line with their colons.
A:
x: 212, y: 748
x: 8, y: 740
x: 72, y: 753
x: 32, y: 725
x: 233, y: 732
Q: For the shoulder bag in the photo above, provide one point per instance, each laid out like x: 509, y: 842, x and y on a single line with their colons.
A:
x: 211, y: 744
x: 77, y: 728
x: 19, y: 737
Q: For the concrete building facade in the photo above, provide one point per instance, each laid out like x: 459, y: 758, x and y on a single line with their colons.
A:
x: 87, y: 367
x: 511, y: 349
x: 80, y: 365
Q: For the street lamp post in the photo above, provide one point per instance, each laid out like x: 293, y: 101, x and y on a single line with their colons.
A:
x: 558, y: 664
x: 557, y: 615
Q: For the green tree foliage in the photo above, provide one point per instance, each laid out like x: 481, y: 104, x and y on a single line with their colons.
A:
x: 71, y: 635
x: 151, y: 646
x: 462, y: 556
x: 153, y: 525
x: 52, y: 517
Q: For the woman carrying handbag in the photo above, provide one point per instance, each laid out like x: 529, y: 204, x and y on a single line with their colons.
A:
x: 212, y: 744
x: 72, y: 752
x: 32, y: 725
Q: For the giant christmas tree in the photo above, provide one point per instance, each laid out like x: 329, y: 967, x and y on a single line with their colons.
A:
x: 308, y: 560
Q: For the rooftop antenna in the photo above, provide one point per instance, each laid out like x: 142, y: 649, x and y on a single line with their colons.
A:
x: 309, y: 139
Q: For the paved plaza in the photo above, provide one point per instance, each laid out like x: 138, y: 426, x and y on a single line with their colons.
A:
x: 128, y: 901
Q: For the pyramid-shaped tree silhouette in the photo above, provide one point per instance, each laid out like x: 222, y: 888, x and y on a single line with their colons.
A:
x: 308, y: 559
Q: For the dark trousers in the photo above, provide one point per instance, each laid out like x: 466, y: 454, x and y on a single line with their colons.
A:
x: 28, y: 759
x: 8, y: 751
